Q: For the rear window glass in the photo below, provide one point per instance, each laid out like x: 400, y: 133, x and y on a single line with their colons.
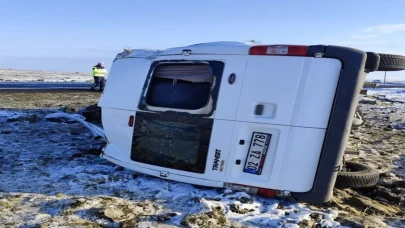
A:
x: 171, y: 140
x: 180, y: 86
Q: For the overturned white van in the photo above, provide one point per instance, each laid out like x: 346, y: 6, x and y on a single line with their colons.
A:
x: 271, y: 119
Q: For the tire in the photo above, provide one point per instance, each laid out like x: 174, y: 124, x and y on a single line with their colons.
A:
x: 357, y: 176
x: 391, y: 62
x: 372, y: 62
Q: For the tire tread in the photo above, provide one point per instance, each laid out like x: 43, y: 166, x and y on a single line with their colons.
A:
x: 363, y: 178
x: 391, y: 62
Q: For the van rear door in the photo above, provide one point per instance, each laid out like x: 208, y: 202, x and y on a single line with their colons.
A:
x: 176, y: 139
x: 125, y: 81
x: 119, y: 102
x: 282, y: 117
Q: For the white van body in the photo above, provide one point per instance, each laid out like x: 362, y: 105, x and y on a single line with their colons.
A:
x: 264, y: 123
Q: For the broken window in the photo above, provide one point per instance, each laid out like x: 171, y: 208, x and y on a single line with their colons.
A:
x: 177, y: 139
x: 172, y: 140
x: 180, y: 86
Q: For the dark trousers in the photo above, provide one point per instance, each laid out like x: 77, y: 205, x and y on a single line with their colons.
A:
x: 98, y: 81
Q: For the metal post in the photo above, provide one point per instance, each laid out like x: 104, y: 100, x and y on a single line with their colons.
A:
x: 385, y: 76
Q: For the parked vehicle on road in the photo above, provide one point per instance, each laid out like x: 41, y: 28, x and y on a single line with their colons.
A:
x: 269, y: 119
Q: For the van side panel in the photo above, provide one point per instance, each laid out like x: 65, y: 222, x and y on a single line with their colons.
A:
x: 124, y: 86
x: 118, y: 132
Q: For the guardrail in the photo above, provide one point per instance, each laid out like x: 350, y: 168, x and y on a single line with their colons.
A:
x: 381, y: 85
x: 368, y: 85
x: 387, y: 86
x: 45, y: 85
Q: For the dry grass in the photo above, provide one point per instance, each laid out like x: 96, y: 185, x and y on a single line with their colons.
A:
x: 47, y: 99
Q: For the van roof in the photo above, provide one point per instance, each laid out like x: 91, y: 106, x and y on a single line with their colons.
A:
x: 220, y: 47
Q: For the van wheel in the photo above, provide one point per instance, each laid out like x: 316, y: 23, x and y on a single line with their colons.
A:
x: 355, y: 175
x: 391, y: 62
x: 372, y: 62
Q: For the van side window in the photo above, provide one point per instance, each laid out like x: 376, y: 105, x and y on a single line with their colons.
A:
x: 180, y: 86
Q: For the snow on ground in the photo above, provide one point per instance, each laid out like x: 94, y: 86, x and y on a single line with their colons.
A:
x: 397, y: 96
x: 11, y: 115
x: 385, y: 106
x: 50, y: 174
x: 389, y: 93
x: 44, y: 76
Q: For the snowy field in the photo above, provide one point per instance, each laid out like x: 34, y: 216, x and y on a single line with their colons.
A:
x: 397, y: 94
x: 11, y: 75
x: 390, y: 102
x: 51, y: 175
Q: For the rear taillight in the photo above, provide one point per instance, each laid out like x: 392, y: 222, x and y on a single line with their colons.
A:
x: 131, y: 121
x: 266, y: 192
x: 252, y: 190
x: 289, y: 50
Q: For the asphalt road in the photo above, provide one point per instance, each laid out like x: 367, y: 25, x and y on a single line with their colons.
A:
x: 387, y: 86
x: 85, y: 86
x: 45, y: 86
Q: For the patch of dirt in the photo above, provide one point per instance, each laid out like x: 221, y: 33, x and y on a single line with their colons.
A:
x: 381, y: 147
x: 214, y: 218
x: 34, y: 100
x: 237, y: 209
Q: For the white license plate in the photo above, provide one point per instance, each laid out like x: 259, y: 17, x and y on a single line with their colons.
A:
x: 256, y: 156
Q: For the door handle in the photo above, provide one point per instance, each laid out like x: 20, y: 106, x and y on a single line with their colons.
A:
x: 259, y: 109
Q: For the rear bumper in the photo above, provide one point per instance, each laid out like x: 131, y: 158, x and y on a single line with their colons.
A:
x: 164, y: 175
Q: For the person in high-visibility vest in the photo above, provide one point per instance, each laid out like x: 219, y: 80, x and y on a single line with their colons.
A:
x: 99, y: 73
